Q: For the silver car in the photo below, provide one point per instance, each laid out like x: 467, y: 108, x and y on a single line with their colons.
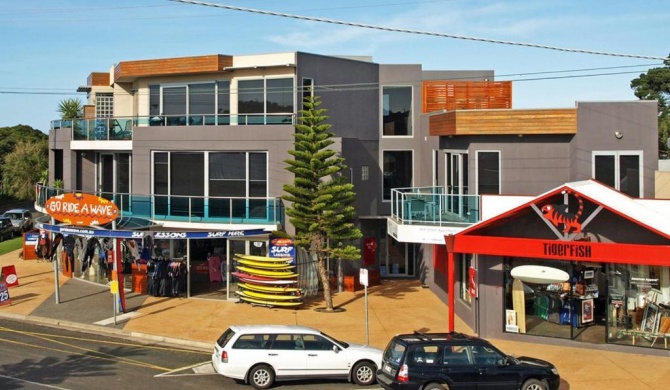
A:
x: 22, y: 220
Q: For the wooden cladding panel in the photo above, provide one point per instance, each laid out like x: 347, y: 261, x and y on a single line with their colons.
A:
x: 466, y: 95
x: 98, y: 79
x: 131, y: 70
x: 504, y: 122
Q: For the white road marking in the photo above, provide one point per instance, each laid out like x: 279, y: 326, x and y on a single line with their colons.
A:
x: 196, y: 369
x: 33, y: 383
x: 119, y: 318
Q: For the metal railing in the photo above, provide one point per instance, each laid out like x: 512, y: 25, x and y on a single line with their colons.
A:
x: 431, y: 206
x: 121, y: 128
x: 205, y: 209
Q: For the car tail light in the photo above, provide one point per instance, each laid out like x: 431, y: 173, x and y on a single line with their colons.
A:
x: 403, y: 374
x: 224, y: 357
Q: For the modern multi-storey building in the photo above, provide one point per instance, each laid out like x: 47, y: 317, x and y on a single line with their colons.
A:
x: 199, y: 144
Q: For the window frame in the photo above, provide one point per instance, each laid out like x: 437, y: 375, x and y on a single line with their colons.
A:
x: 410, y: 122
x: 617, y: 154
x: 477, y: 166
x: 383, y: 169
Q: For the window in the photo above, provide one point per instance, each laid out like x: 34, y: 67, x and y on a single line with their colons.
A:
x: 425, y: 354
x: 398, y: 168
x: 192, y: 104
x: 365, y: 173
x: 619, y: 170
x: 316, y: 343
x: 466, y: 263
x: 104, y: 105
x: 182, y: 175
x: 265, y: 96
x: 486, y: 356
x: 488, y: 172
x: 307, y: 89
x: 397, y: 111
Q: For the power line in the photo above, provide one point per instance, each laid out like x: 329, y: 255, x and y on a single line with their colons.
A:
x: 417, y: 32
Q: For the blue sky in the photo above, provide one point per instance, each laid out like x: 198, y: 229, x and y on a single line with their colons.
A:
x: 50, y: 47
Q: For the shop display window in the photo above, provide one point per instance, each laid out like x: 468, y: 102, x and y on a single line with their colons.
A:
x: 639, y: 305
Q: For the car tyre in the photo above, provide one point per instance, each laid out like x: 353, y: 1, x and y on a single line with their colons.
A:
x: 364, y: 374
x: 436, y: 386
x: 533, y: 384
x: 261, y: 377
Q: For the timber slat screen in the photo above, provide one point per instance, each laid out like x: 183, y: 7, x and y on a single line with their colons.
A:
x: 466, y: 95
x: 504, y: 122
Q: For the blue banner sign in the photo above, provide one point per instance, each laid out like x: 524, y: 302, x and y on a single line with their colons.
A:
x: 156, y: 235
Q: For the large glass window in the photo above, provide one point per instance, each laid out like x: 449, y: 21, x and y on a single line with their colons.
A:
x: 488, y: 172
x: 201, y: 102
x: 639, y: 305
x: 397, y: 111
x: 619, y: 170
x: 181, y: 176
x: 398, y: 168
x: 262, y: 99
x: 223, y: 102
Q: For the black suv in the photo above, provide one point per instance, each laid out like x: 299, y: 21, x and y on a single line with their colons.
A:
x: 432, y: 361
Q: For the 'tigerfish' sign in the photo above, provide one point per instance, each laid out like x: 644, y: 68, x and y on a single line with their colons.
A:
x: 81, y: 209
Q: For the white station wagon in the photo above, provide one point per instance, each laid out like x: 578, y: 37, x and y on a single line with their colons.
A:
x: 261, y: 354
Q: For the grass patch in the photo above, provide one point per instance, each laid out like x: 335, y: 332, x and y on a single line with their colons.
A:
x: 11, y: 245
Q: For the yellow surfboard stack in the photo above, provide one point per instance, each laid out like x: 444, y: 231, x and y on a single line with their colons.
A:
x: 267, y: 281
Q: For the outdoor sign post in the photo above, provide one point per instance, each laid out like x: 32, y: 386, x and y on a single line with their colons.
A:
x: 114, y: 289
x: 364, y: 282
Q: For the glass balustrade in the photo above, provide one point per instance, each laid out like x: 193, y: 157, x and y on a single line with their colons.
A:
x: 431, y: 206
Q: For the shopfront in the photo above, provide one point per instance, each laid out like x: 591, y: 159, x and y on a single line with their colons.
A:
x: 582, y: 262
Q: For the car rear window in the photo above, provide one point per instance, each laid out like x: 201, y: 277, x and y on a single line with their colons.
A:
x: 252, y: 341
x: 225, y: 337
x: 394, y: 352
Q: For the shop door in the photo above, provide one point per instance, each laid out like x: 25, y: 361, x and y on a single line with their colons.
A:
x: 400, y: 258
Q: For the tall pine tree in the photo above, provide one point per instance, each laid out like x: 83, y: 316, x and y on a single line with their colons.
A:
x: 321, y: 198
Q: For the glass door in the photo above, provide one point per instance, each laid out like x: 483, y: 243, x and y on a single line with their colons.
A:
x: 456, y: 183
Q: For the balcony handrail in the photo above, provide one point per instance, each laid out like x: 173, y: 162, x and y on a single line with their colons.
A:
x: 105, y: 128
x: 431, y: 206
x: 183, y: 208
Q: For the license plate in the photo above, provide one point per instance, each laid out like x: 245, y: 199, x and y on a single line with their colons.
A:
x: 386, y: 368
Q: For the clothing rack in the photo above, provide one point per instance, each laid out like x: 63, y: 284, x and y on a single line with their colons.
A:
x: 166, y: 278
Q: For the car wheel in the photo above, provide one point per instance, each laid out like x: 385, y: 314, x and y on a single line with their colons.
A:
x: 364, y: 374
x: 436, y: 386
x: 261, y: 377
x: 533, y: 384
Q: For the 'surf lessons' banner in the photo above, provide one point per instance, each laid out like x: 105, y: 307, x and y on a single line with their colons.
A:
x: 81, y: 209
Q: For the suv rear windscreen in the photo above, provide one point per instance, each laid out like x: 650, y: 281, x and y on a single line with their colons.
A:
x: 225, y: 337
x: 394, y: 352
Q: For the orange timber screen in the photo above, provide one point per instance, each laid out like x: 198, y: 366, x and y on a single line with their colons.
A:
x: 466, y: 95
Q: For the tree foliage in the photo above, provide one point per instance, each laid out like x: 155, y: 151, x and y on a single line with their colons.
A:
x: 71, y: 108
x: 321, y: 199
x: 655, y: 85
x: 22, y: 168
x: 11, y: 136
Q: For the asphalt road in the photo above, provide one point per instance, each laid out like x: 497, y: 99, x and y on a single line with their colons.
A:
x: 37, y: 357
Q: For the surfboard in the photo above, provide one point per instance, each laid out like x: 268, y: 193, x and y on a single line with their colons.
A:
x: 270, y: 303
x: 268, y: 288
x: 539, y: 274
x: 262, y: 280
x: 279, y: 274
x: 519, y: 304
x: 263, y: 258
x: 267, y: 296
x: 268, y: 265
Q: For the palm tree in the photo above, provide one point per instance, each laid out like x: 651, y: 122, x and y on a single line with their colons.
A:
x: 70, y: 108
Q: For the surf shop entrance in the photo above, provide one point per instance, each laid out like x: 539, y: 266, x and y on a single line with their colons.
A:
x: 583, y: 263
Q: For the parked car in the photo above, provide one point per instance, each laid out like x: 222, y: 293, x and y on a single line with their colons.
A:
x: 6, y: 228
x: 22, y: 219
x: 261, y: 354
x: 432, y: 361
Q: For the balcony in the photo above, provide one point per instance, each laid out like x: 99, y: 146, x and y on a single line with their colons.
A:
x: 190, y: 209
x: 431, y: 206
x: 121, y: 128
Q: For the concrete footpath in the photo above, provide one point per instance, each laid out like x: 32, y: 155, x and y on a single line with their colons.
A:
x: 396, y: 306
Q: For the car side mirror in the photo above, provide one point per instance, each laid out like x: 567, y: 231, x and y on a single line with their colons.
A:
x: 336, y: 349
